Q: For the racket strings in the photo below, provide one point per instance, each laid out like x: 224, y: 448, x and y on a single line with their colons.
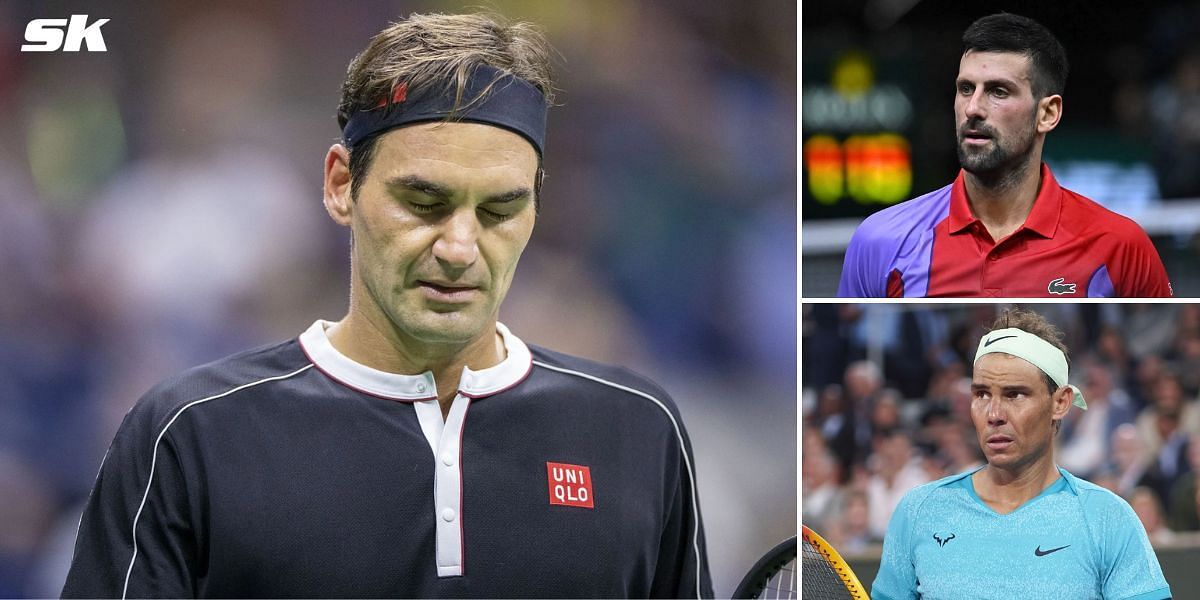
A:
x: 782, y: 584
x: 821, y: 581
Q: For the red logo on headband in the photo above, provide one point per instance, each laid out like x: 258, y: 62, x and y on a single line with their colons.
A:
x: 398, y: 95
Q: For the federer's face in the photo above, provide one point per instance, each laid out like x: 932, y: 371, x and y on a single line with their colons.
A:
x: 441, y: 219
x: 1013, y: 410
x: 995, y: 113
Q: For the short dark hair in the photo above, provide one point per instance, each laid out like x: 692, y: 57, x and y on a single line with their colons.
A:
x: 1005, y: 32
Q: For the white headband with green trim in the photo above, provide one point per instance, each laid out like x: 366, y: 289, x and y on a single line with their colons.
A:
x: 1038, y: 352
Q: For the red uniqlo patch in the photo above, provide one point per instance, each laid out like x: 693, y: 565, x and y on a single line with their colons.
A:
x: 570, y: 485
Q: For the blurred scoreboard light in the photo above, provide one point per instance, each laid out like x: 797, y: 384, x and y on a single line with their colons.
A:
x: 867, y: 169
x: 826, y: 167
x: 857, y: 155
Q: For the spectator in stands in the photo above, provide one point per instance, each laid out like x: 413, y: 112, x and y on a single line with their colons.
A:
x: 829, y: 414
x: 820, y: 493
x: 1105, y: 479
x: 1085, y: 434
x: 1149, y: 510
x: 1129, y: 458
x: 1169, y: 413
x: 943, y: 383
x: 895, y: 470
x: 1149, y: 329
x: 852, y: 531
x: 1149, y: 370
x: 961, y: 452
x: 26, y: 511
x: 1166, y: 426
x: 1197, y: 499
x: 836, y: 419
x: 1182, y: 512
x: 1175, y: 116
x: 935, y: 418
x: 863, y: 381
x: 1189, y: 320
x: 1187, y: 351
x: 885, y: 414
x: 850, y: 435
x: 1113, y: 354
x: 935, y: 465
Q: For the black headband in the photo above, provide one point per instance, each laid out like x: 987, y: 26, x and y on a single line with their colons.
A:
x: 512, y: 103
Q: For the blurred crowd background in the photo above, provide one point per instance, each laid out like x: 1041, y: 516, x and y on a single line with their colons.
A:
x: 886, y: 397
x: 877, y: 120
x: 160, y: 207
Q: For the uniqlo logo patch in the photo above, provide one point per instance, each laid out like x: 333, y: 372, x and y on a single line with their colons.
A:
x: 570, y: 485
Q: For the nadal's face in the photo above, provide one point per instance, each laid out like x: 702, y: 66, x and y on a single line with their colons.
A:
x: 1014, y: 411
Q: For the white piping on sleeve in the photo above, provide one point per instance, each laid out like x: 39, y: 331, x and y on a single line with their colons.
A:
x: 682, y: 449
x: 154, y: 458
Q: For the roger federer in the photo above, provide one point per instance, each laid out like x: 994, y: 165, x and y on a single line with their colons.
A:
x: 416, y: 447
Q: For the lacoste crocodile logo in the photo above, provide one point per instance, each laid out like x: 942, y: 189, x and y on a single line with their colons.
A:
x: 1058, y: 287
x: 942, y: 542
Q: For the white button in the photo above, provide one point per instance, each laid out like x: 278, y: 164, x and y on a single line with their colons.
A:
x: 447, y: 514
x: 448, y: 459
x: 421, y: 387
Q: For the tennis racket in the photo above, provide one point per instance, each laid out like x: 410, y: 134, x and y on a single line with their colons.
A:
x: 826, y: 574
x: 773, y: 576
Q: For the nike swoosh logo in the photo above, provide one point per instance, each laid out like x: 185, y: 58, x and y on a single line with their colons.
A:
x: 1039, y: 551
x: 994, y: 340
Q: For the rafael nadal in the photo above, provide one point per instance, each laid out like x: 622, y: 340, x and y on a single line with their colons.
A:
x: 1020, y: 526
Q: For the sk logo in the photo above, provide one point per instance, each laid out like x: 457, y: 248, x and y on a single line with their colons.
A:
x: 1058, y: 287
x: 47, y: 35
x: 942, y: 542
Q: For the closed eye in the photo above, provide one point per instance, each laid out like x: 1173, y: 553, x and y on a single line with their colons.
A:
x: 491, y: 214
x: 423, y: 208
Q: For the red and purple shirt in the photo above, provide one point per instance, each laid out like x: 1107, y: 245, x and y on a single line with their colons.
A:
x: 1069, y: 246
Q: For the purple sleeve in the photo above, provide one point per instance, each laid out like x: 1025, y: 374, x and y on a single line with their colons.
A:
x: 898, y: 237
x: 864, y: 272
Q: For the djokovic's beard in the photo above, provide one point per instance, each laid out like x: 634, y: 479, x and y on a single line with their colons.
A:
x: 1001, y: 158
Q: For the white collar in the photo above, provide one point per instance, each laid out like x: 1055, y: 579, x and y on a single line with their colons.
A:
x: 394, y: 386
